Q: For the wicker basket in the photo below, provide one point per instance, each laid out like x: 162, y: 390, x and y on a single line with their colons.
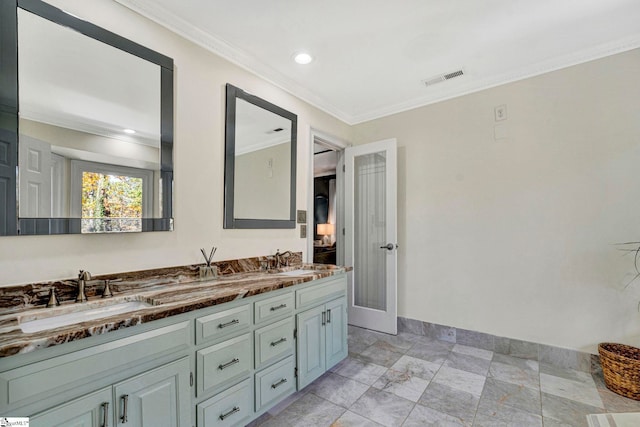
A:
x: 621, y: 368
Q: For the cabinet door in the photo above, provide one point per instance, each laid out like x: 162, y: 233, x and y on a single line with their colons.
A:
x: 336, y: 330
x: 158, y: 398
x: 93, y: 410
x: 311, y: 345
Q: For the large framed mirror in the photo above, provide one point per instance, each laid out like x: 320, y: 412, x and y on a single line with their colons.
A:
x: 260, y: 163
x: 87, y: 123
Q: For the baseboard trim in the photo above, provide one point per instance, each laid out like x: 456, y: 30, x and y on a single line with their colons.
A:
x: 556, y: 356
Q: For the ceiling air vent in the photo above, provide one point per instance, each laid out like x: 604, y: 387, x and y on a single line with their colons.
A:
x: 276, y: 130
x: 442, y: 77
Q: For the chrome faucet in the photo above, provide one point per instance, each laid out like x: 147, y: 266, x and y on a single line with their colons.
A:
x: 82, y: 278
x: 280, y: 256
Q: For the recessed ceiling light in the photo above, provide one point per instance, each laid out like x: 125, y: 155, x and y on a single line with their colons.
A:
x: 129, y: 131
x: 302, y: 58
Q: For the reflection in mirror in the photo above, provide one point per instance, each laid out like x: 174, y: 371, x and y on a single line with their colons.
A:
x: 87, y: 123
x: 77, y: 98
x: 260, y: 163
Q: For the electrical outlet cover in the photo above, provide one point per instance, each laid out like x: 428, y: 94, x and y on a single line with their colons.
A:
x: 303, y: 231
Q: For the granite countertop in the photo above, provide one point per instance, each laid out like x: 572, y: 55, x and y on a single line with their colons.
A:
x: 166, y: 300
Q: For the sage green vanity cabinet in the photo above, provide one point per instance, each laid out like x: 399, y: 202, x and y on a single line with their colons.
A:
x: 223, y: 365
x: 322, y: 339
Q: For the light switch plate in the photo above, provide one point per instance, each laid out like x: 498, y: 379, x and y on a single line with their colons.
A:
x: 302, y: 217
x: 303, y: 231
x: 501, y: 112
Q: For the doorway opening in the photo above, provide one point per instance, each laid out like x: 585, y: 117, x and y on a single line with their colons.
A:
x: 326, y: 201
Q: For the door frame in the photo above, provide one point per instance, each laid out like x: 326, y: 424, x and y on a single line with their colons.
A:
x: 339, y: 145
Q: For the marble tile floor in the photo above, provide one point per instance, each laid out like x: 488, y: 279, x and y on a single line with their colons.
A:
x: 413, y: 380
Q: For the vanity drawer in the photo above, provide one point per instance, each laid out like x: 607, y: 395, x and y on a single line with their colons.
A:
x: 230, y: 408
x: 226, y: 323
x: 275, y: 382
x: 320, y: 293
x: 274, y: 307
x: 221, y: 363
x: 273, y: 341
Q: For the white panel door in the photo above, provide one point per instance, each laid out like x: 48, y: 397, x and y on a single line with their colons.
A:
x: 35, y: 178
x: 371, y: 234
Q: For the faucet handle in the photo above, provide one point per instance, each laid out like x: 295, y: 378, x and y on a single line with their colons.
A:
x: 106, y: 292
x: 53, y: 299
x: 84, y: 275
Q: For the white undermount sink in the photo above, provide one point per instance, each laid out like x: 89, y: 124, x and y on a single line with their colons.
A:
x: 66, y: 319
x: 297, y: 272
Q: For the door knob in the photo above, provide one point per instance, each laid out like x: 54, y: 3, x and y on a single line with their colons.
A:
x: 389, y: 246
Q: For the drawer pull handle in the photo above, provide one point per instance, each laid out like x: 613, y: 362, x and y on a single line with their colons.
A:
x: 125, y: 402
x: 105, y: 414
x: 280, y: 341
x: 226, y: 365
x: 278, y: 307
x: 231, y: 412
x: 224, y: 325
x: 279, y: 383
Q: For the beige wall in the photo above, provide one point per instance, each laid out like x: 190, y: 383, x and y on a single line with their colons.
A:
x: 515, y: 236
x: 200, y: 79
x: 262, y: 182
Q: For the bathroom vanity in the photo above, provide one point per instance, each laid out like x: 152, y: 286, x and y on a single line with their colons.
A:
x: 201, y: 353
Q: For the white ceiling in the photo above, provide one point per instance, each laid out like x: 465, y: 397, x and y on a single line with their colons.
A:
x: 372, y: 55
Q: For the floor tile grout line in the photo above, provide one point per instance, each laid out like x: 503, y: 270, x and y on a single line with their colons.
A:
x: 404, y: 352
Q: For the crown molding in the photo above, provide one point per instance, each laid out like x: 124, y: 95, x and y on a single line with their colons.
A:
x: 460, y: 88
x: 222, y: 48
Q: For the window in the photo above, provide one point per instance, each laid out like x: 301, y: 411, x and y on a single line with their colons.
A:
x: 110, y: 198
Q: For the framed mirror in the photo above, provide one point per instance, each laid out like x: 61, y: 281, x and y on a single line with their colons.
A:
x: 260, y: 163
x: 88, y: 121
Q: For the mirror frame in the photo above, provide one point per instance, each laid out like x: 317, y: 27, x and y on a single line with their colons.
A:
x: 232, y: 94
x: 10, y: 223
